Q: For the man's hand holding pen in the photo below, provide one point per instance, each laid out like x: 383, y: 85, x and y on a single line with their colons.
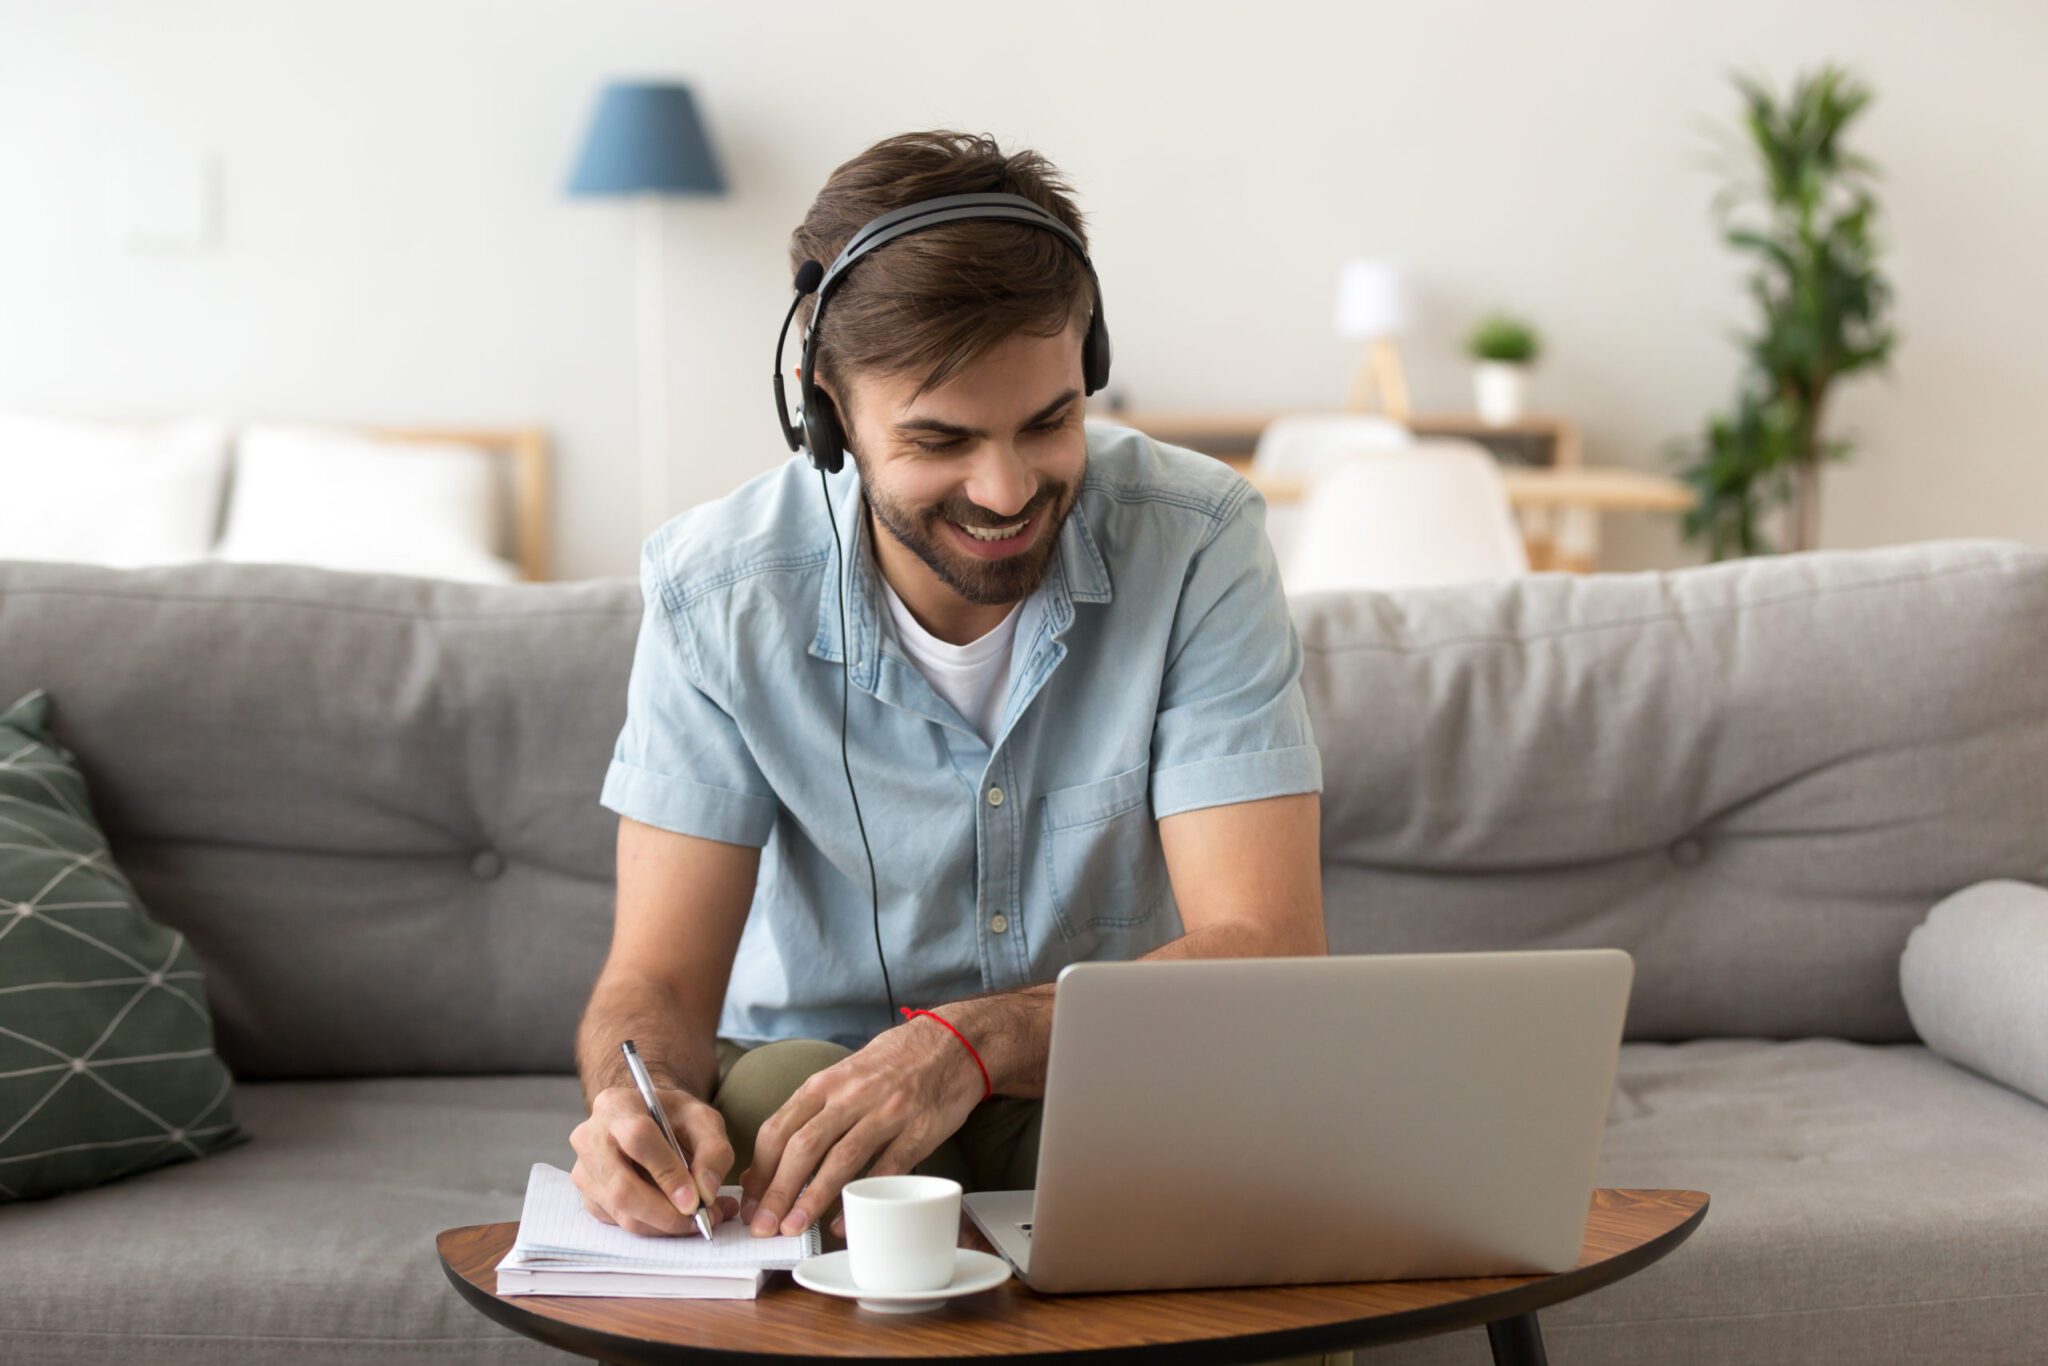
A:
x: 629, y: 1175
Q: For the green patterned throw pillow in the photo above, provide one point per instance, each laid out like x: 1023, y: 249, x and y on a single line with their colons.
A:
x: 107, y: 1065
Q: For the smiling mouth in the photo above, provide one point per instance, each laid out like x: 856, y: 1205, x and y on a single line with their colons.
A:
x: 994, y: 533
x: 996, y: 542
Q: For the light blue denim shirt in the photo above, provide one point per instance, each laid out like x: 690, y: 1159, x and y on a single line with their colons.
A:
x: 1155, y: 670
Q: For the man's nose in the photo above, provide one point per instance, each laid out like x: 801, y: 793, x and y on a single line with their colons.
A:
x: 1000, y: 481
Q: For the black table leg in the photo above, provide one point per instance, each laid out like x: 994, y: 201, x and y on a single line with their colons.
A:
x: 1516, y: 1341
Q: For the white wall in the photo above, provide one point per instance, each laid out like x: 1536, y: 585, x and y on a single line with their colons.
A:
x: 395, y: 245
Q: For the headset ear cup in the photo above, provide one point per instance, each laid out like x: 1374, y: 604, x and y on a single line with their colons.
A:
x: 1095, y: 353
x: 823, y: 436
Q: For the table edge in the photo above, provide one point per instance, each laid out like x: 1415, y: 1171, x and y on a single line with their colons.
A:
x: 1428, y: 1321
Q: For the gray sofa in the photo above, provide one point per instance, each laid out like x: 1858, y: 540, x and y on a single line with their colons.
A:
x: 370, y: 802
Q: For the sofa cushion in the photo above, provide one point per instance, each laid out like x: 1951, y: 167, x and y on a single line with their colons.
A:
x: 107, y: 1065
x: 1870, y: 1203
x: 1754, y: 776
x: 313, y: 1244
x: 1975, y: 979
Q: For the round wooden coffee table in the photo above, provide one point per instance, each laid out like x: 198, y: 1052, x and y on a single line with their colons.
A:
x: 1626, y: 1230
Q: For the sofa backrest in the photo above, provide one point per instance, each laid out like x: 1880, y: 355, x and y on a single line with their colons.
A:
x: 1756, y: 777
x: 370, y: 801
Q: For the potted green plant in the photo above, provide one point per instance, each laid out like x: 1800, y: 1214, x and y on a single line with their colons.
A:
x: 1801, y: 206
x: 1504, y: 348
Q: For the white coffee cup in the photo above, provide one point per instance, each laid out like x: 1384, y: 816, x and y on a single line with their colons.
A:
x: 901, y: 1231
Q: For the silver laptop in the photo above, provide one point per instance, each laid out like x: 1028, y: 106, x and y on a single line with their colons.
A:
x: 1272, y: 1121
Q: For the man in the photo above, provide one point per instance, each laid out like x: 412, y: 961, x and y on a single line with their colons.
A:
x: 1073, y: 723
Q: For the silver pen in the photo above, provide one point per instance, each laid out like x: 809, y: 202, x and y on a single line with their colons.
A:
x: 646, y: 1085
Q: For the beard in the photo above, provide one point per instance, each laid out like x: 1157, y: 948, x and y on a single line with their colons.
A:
x: 989, y: 583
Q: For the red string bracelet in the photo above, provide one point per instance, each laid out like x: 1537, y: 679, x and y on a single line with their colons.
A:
x: 987, y: 1085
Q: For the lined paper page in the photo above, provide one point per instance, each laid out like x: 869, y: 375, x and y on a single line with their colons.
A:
x: 556, y: 1231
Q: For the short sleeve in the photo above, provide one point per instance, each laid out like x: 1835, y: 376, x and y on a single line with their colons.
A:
x: 681, y: 762
x: 1232, y: 725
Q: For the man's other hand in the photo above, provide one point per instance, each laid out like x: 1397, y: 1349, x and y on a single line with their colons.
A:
x: 900, y: 1097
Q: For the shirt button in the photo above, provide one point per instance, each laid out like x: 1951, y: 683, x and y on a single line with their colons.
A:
x: 999, y: 922
x: 995, y: 796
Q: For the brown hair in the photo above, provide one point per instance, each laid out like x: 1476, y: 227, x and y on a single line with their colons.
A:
x: 938, y: 299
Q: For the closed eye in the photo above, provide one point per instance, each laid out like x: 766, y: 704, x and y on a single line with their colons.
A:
x: 940, y: 447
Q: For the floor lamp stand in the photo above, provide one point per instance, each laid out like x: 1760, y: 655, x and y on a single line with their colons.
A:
x: 650, y: 213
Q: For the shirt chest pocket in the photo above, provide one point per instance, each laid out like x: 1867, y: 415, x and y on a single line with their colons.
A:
x: 1102, y: 854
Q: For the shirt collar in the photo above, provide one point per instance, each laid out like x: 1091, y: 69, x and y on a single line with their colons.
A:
x: 1077, y: 573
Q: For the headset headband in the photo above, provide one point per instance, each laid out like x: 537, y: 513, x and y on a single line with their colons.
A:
x: 945, y: 209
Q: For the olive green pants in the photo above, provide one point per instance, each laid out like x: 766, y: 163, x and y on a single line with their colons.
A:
x: 995, y: 1149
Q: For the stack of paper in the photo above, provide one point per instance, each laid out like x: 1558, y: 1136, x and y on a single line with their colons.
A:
x: 564, y: 1249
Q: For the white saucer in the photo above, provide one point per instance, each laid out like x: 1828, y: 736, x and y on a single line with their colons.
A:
x: 832, y: 1274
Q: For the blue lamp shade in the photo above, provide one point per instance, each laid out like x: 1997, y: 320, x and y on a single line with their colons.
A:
x: 646, y: 137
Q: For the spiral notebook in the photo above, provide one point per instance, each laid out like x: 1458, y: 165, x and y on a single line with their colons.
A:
x: 564, y: 1249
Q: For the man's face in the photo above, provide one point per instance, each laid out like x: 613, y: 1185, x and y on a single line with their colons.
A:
x: 998, y: 449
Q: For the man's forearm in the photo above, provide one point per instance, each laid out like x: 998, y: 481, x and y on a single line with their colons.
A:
x: 628, y: 1007
x: 1012, y: 1030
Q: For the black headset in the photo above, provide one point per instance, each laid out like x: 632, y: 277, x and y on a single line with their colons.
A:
x: 823, y: 439
x: 820, y: 434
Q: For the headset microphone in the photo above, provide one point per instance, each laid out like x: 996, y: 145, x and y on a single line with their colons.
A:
x: 818, y: 434
x: 807, y: 276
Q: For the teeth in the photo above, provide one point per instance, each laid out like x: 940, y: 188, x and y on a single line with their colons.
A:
x: 994, y: 533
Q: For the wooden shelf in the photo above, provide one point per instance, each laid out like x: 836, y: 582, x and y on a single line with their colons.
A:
x: 1536, y: 439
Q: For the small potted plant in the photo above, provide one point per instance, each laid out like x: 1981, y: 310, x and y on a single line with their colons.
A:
x: 1504, y: 347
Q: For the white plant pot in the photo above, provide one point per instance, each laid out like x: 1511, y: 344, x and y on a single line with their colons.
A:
x: 1499, y: 388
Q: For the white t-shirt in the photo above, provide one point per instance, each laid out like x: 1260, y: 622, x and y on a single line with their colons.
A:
x: 974, y: 678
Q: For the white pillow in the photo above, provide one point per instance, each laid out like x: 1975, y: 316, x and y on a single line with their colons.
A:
x: 343, y: 500
x: 112, y: 493
x: 1974, y: 975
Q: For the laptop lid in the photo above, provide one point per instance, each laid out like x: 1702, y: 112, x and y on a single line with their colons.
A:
x: 1267, y: 1121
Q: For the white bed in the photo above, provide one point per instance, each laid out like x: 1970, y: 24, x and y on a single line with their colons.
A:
x: 441, y: 503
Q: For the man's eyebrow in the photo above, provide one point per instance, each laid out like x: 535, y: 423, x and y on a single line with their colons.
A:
x: 932, y: 424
